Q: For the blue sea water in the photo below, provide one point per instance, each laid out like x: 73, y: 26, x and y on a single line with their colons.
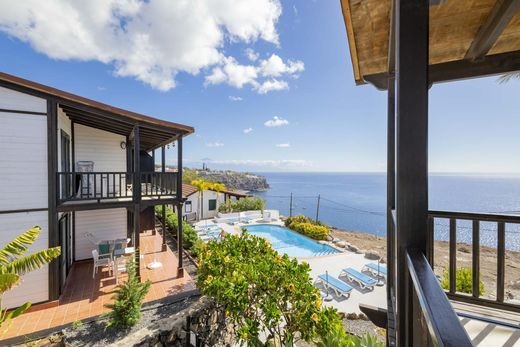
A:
x: 356, y: 201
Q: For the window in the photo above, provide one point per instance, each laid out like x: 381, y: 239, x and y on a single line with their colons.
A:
x: 212, y: 204
x: 187, y: 206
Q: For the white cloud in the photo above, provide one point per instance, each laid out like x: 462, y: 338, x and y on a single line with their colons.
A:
x: 251, y: 54
x: 247, y: 130
x: 286, y: 163
x: 274, y: 66
x: 283, y: 145
x: 272, y: 85
x: 276, y: 122
x: 235, y: 98
x: 215, y: 144
x: 101, y: 88
x: 151, y: 41
x: 263, y: 77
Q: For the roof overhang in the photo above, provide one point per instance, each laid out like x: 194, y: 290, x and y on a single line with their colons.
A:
x: 467, y: 38
x: 154, y: 132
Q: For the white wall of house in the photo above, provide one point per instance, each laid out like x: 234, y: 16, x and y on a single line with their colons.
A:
x: 207, y: 196
x: 23, y: 173
x: 23, y: 162
x: 107, y: 224
x: 64, y: 124
x: 13, y: 100
x: 193, y: 200
x: 35, y: 284
x: 101, y: 147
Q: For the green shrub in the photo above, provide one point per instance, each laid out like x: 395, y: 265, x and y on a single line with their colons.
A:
x: 463, y: 281
x: 262, y: 291
x: 126, y: 309
x: 314, y: 231
x: 189, y: 235
x: 250, y: 203
x: 306, y: 226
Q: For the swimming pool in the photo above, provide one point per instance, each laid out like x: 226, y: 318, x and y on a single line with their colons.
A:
x: 290, y: 242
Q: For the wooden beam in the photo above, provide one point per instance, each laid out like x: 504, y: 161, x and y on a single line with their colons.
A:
x: 180, y: 269
x: 490, y: 65
x: 500, y: 16
x: 53, y: 191
x: 411, y: 25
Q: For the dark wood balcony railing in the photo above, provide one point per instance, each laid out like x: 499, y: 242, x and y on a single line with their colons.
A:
x: 476, y: 219
x: 435, y: 321
x: 81, y: 186
x: 158, y: 183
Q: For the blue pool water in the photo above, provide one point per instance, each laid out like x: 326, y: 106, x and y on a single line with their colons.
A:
x: 289, y: 242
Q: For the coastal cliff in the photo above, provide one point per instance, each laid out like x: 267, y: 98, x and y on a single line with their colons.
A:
x: 233, y: 180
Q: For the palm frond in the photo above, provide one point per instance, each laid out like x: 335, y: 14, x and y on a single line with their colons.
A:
x: 31, y: 262
x: 8, y: 281
x: 509, y: 76
x: 19, y: 245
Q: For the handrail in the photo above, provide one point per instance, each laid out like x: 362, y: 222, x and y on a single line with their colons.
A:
x: 443, y: 324
x: 501, y: 220
x: 82, y: 186
x: 485, y: 217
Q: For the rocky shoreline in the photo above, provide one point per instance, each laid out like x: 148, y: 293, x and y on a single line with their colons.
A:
x: 370, y: 244
x: 236, y: 180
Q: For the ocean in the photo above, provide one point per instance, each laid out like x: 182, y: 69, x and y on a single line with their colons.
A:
x: 356, y: 201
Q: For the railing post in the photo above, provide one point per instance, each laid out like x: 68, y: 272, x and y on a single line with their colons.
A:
x: 453, y: 255
x: 475, y: 263
x: 501, y: 241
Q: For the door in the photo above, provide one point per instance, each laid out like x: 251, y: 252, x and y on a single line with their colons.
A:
x: 66, y: 181
x: 65, y: 240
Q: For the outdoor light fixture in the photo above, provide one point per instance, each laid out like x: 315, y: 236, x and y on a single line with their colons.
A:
x: 123, y: 145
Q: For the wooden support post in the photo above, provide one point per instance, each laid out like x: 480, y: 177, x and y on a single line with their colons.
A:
x: 390, y: 187
x: 411, y: 25
x: 53, y: 192
x: 180, y: 269
x: 163, y: 219
x: 136, y: 189
x: 453, y: 255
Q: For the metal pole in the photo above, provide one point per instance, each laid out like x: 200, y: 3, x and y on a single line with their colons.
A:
x: 318, y: 209
x: 290, y: 207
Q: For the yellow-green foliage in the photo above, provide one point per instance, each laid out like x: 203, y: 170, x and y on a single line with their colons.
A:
x: 189, y: 238
x: 463, y: 281
x: 305, y: 226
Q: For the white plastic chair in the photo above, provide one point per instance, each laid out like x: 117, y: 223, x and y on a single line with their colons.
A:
x: 100, y: 262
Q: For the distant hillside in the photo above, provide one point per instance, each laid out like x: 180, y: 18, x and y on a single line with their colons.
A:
x: 231, y: 179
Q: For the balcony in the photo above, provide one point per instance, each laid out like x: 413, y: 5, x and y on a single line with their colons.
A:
x: 114, y: 187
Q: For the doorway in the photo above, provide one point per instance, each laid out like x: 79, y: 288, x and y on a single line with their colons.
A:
x: 65, y: 240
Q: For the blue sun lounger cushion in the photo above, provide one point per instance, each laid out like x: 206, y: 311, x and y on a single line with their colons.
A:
x: 339, y: 287
x: 363, y: 280
x: 373, y: 268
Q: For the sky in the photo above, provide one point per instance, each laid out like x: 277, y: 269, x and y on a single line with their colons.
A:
x: 267, y: 85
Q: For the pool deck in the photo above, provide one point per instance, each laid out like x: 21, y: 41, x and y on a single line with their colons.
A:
x: 332, y: 263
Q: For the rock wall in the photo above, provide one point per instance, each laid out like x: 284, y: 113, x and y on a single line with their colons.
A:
x: 204, y: 318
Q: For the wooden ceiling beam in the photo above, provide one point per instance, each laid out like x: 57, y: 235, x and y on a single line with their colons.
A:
x: 495, y: 64
x: 500, y: 16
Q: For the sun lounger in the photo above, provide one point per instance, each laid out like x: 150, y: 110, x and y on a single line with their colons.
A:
x: 338, y: 286
x: 373, y: 269
x: 363, y: 280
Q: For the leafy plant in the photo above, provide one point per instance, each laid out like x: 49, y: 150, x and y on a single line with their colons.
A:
x: 126, y: 309
x: 263, y: 293
x: 250, y: 203
x: 77, y: 324
x: 189, y: 234
x: 14, y: 264
x: 463, y: 281
x: 306, y: 226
